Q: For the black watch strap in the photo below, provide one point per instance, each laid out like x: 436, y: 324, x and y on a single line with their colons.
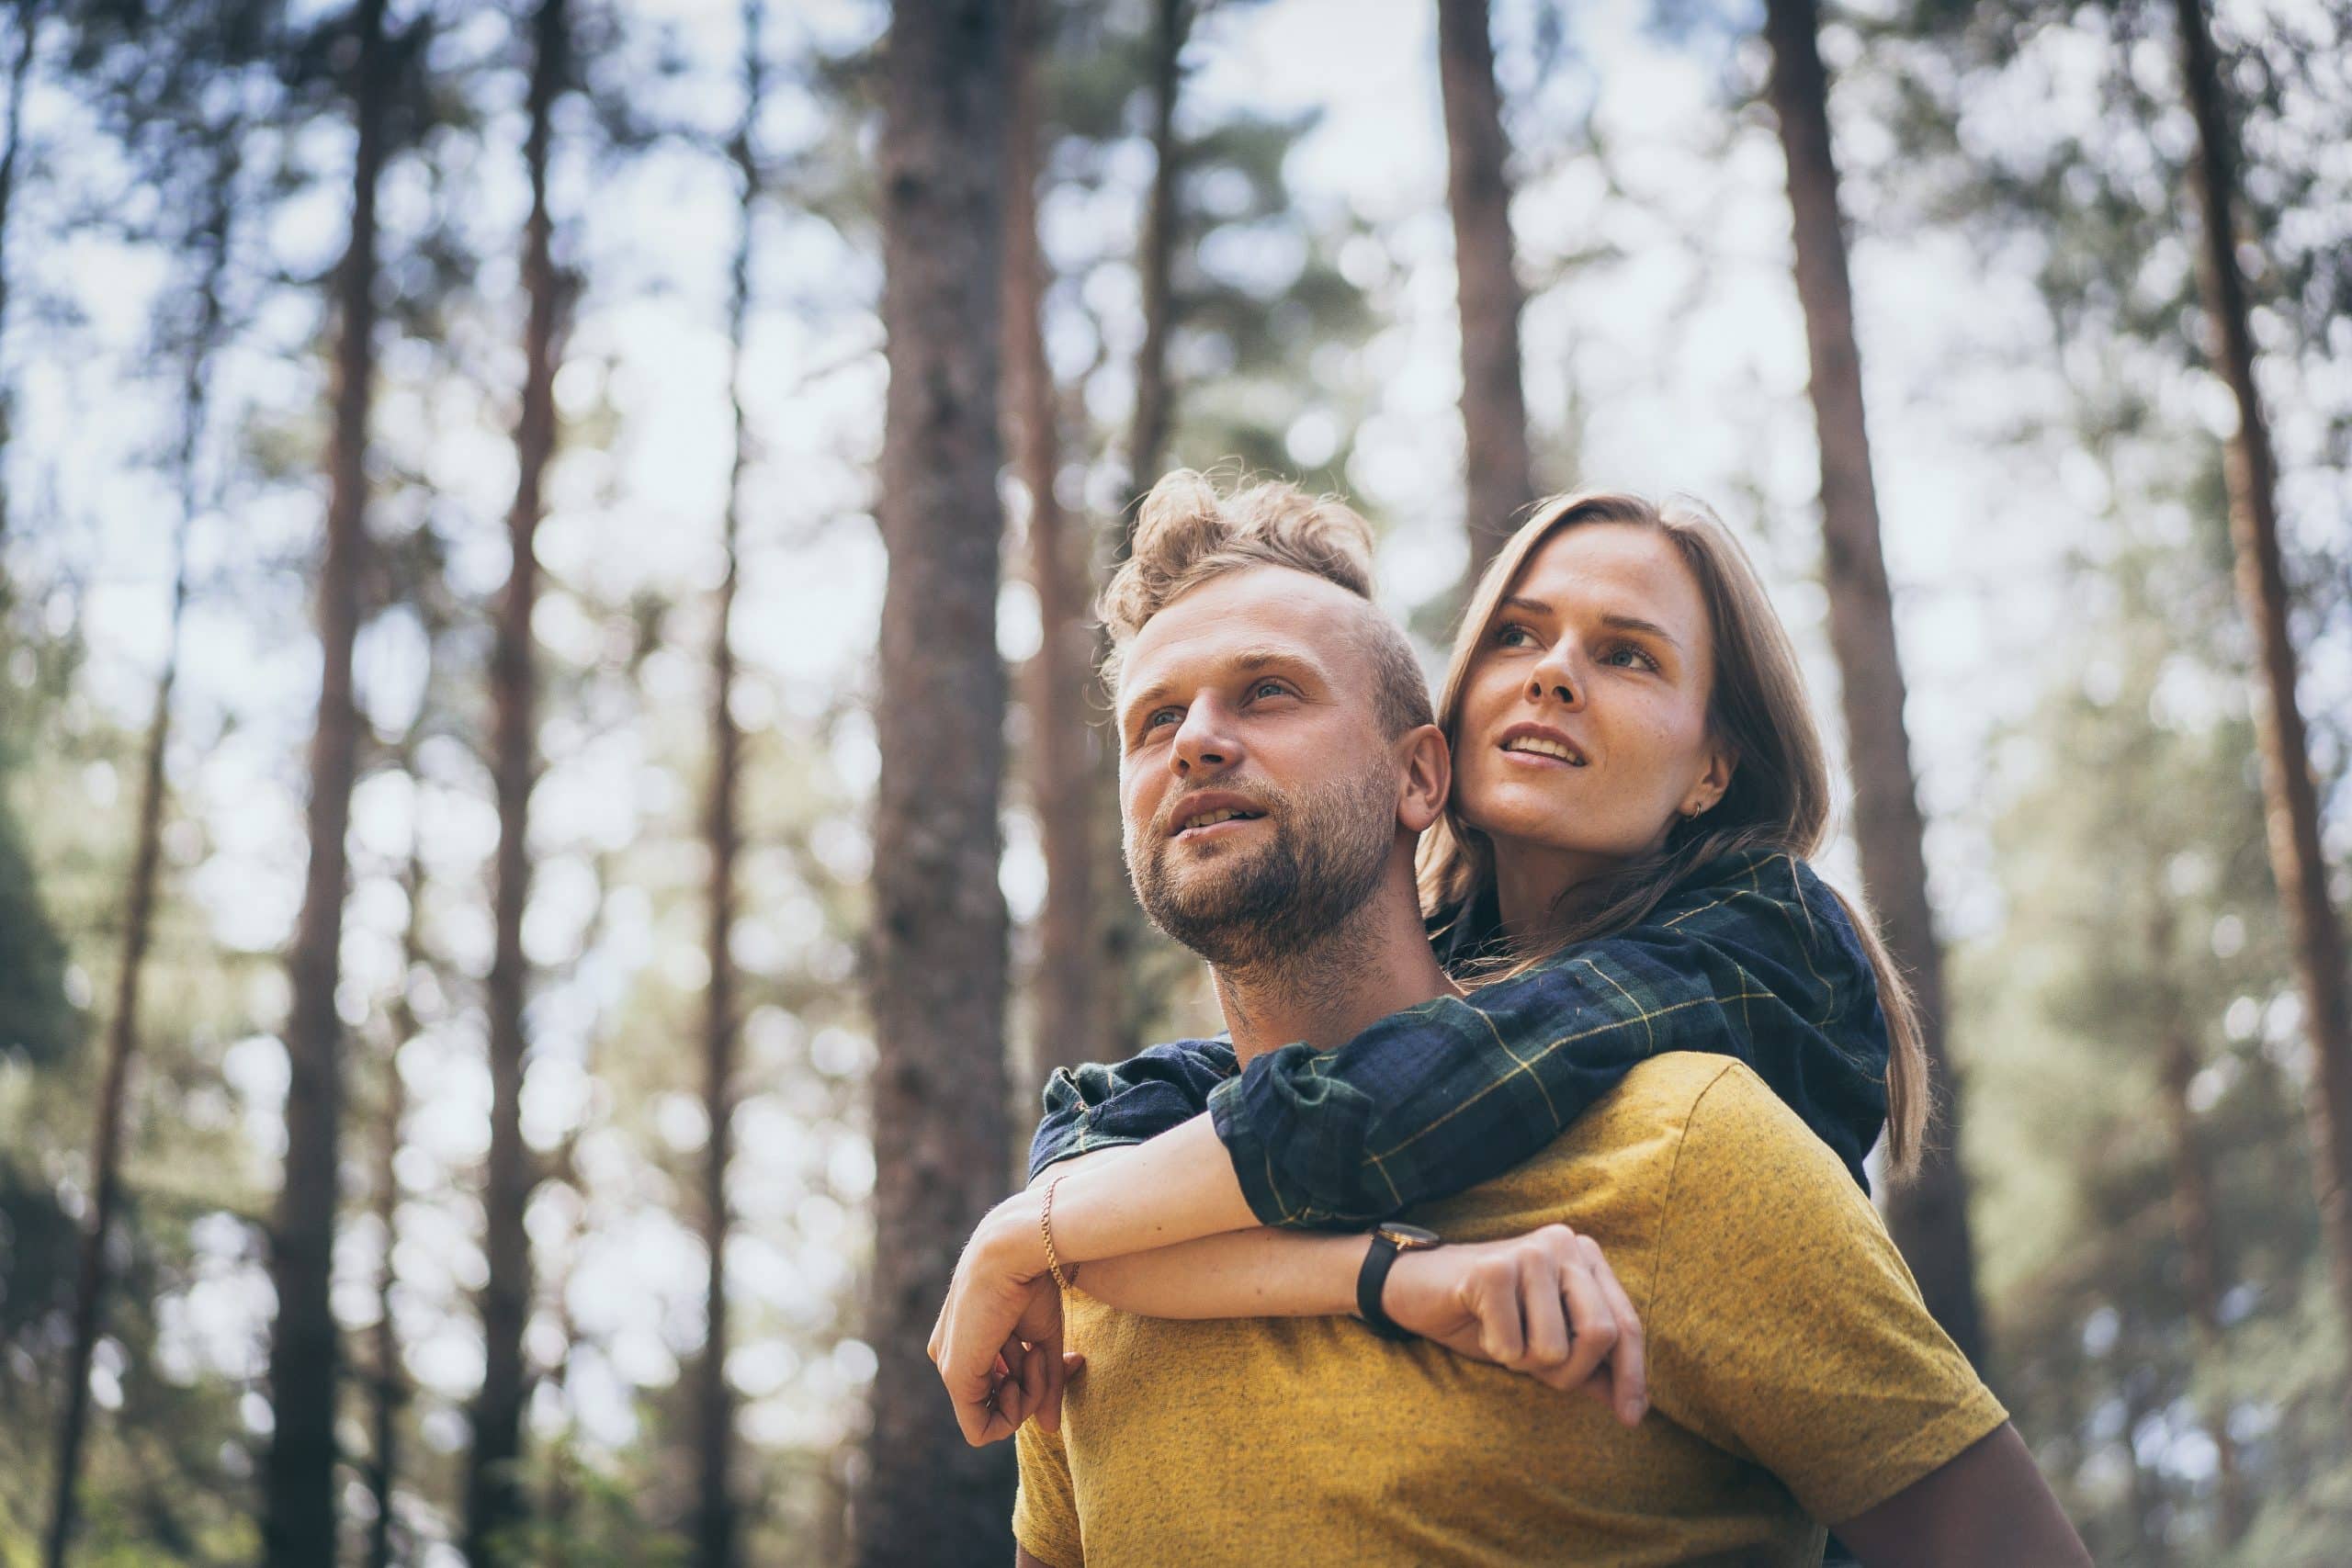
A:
x: 1370, y: 1279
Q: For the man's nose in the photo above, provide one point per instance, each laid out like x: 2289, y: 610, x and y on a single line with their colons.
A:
x: 1204, y: 741
x: 1557, y: 677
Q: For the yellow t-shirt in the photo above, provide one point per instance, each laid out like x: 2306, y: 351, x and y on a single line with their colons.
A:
x: 1794, y: 1377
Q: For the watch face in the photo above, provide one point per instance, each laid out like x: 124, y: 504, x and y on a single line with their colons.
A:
x: 1408, y: 1237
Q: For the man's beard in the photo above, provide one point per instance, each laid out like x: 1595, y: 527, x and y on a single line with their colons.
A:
x: 1260, y: 904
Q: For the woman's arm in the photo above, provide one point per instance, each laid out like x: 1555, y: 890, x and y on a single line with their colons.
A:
x: 1758, y: 962
x: 1545, y: 1304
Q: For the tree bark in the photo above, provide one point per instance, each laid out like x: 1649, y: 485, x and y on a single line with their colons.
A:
x: 563, y: 1491
x: 1928, y: 1217
x: 1148, y: 438
x: 2192, y: 1204
x: 715, y: 1529
x: 937, y: 945
x: 299, y: 1509
x: 20, y: 70
x: 389, y: 1391
x: 1499, y: 478
x: 1121, y: 935
x: 1056, y: 680
x: 494, y: 1501
x: 2291, y: 800
x: 139, y: 900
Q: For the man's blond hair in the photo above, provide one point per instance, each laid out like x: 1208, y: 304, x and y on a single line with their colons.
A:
x: 1187, y: 532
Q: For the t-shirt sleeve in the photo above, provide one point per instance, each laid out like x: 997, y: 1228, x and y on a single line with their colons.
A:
x: 1784, y: 1327
x: 1045, y: 1509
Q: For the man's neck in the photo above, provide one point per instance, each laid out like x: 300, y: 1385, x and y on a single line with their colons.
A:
x: 1377, y: 962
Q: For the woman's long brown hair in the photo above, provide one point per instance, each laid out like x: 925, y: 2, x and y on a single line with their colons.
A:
x: 1779, y: 799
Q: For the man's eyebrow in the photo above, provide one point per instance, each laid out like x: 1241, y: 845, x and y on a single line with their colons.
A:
x: 1246, y: 661
x: 1250, y: 660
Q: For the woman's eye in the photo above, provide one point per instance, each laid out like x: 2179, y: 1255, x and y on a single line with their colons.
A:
x: 1627, y: 657
x: 1513, y: 635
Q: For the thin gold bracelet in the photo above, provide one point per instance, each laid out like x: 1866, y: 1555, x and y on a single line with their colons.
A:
x: 1045, y: 1225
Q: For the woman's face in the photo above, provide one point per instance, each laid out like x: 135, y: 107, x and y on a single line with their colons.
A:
x: 1584, y: 715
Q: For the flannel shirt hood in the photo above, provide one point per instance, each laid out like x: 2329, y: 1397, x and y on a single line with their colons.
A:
x: 1750, y: 956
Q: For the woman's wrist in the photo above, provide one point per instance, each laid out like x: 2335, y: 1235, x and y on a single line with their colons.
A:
x: 1012, y: 1238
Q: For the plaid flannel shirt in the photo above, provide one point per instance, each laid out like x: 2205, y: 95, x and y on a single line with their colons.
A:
x: 1750, y: 956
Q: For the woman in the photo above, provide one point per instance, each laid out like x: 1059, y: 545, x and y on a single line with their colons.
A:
x: 1638, y: 781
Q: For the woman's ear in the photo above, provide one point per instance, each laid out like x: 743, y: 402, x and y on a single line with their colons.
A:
x: 1427, y: 778
x: 1712, y: 780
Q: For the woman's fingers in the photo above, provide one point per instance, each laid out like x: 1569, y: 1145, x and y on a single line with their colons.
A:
x: 1591, y: 1315
x: 1548, y: 1339
x: 1492, y: 1289
x: 1546, y: 1305
x: 1037, y: 1369
x: 1004, y: 1409
x: 1629, y: 1368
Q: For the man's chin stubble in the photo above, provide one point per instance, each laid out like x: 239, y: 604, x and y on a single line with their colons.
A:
x: 1270, y: 905
x: 1231, y: 908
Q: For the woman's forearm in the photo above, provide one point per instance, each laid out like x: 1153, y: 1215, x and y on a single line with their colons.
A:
x: 1253, y: 1273
x: 1177, y: 1187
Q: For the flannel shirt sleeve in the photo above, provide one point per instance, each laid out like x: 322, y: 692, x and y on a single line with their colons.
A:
x: 1102, y: 1105
x: 1439, y: 1098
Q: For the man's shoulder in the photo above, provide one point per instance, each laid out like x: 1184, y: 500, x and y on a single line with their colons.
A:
x: 1614, y: 1165
x: 1668, y: 1132
x: 1664, y: 1098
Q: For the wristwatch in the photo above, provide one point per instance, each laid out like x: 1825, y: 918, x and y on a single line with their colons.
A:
x: 1388, y: 1241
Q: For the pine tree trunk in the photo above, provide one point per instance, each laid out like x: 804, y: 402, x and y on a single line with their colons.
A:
x: 1122, y: 995
x: 494, y: 1494
x: 715, y: 1528
x: 139, y: 900
x: 2292, y: 814
x: 1055, y: 678
x: 297, y: 1483
x: 1499, y: 479
x: 20, y: 71
x: 1929, y: 1216
x: 1148, y: 438
x: 937, y: 945
x: 563, y: 1491
x: 2192, y: 1204
x: 388, y: 1393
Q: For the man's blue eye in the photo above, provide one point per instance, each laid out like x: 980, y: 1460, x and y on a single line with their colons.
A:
x: 1276, y: 687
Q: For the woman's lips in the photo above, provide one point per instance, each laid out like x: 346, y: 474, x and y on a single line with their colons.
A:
x: 1539, y: 760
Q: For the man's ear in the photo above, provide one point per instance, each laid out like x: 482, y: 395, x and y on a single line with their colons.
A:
x: 1722, y: 762
x: 1427, y: 777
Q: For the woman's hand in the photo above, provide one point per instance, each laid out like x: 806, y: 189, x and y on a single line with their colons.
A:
x: 1545, y: 1304
x: 998, y: 1343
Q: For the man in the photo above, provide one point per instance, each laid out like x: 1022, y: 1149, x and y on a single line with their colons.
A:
x: 1270, y: 808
